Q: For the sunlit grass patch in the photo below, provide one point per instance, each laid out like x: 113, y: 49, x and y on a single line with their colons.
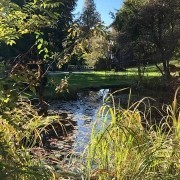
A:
x: 78, y: 80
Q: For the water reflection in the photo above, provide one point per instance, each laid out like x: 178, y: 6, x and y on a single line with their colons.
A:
x: 82, y: 111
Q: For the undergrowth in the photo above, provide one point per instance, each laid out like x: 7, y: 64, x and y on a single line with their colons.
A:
x: 20, y: 130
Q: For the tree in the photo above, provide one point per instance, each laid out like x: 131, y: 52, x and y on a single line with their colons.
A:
x: 130, y: 47
x: 88, y: 38
x: 25, y: 28
x: 31, y: 17
x: 97, y: 48
x: 59, y: 33
x: 160, y: 26
x: 90, y: 46
x: 89, y: 17
x: 150, y: 31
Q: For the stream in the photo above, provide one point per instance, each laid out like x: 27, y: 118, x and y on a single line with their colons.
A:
x: 77, y: 117
x: 64, y: 147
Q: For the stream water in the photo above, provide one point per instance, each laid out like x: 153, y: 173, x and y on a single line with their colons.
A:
x: 77, y: 117
x: 83, y: 112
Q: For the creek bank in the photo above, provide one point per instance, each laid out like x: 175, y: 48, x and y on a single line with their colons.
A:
x: 71, y: 93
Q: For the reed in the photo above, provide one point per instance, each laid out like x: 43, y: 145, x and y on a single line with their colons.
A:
x: 127, y: 144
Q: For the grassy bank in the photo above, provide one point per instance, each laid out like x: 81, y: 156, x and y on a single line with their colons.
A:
x: 100, y: 78
x: 20, y: 131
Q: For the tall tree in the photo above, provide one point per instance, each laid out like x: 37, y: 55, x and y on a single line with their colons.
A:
x: 129, y: 45
x: 160, y: 27
x: 58, y: 10
x: 149, y: 29
x: 89, y: 17
x: 86, y: 34
x: 58, y: 33
x: 89, y: 46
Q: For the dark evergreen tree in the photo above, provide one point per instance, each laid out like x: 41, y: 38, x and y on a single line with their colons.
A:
x: 89, y: 17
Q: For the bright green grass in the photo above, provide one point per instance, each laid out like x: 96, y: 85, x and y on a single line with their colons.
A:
x: 78, y: 81
x: 104, y: 79
x: 91, y: 79
x: 100, y: 78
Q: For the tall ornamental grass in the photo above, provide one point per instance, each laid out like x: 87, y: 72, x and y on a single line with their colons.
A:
x: 129, y: 144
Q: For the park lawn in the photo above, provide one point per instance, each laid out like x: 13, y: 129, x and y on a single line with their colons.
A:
x: 103, y: 79
x: 84, y: 80
x: 81, y: 80
x: 95, y: 79
x: 88, y: 79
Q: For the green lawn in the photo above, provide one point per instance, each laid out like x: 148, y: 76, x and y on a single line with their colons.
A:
x: 100, y: 79
x: 90, y: 79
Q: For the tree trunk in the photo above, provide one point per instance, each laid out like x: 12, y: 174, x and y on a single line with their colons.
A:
x: 166, y: 69
x: 139, y: 71
x: 165, y: 65
x: 161, y: 71
x: 40, y: 89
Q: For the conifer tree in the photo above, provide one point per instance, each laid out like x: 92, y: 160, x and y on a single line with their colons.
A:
x: 89, y: 17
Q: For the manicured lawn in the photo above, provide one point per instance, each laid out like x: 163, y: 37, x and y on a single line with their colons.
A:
x: 103, y: 79
x: 91, y: 79
x: 79, y: 80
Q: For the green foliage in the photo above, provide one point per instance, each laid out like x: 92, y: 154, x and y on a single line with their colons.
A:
x: 91, y: 45
x: 123, y: 147
x: 21, y: 127
x: 88, y: 39
x: 16, y: 20
x: 20, y: 130
x: 127, y: 14
x: 27, y: 26
x: 148, y: 32
x: 42, y: 45
x: 35, y: 28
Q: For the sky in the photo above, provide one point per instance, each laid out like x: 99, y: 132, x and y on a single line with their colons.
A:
x: 104, y: 7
